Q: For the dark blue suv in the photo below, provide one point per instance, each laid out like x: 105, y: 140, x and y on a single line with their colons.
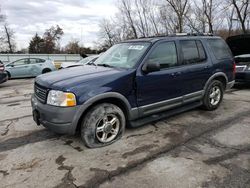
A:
x: 133, y: 83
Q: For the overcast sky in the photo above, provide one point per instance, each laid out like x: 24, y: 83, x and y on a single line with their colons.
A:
x: 78, y: 18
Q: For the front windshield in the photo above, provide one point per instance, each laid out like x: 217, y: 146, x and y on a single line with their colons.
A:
x: 124, y: 55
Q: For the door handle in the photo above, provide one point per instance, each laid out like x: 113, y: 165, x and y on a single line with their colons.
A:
x: 176, y: 74
x: 206, y: 67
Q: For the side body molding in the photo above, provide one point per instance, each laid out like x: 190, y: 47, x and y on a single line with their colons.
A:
x: 132, y: 113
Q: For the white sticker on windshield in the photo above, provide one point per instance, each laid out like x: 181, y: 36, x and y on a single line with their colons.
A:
x: 136, y: 47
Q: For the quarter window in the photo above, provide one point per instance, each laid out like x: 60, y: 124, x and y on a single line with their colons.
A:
x: 164, y: 54
x: 193, y: 52
x: 220, y: 49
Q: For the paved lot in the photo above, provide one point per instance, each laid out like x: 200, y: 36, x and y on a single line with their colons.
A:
x: 193, y: 149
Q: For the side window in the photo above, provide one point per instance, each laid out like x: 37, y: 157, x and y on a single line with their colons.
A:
x: 193, y: 52
x: 35, y: 60
x: 201, y: 51
x: 21, y: 62
x: 40, y: 60
x: 32, y: 61
x: 165, y: 54
x: 220, y: 49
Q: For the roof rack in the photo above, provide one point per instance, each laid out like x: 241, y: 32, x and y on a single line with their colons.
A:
x: 180, y: 35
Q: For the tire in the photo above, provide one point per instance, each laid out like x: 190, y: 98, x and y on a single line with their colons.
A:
x: 213, y: 95
x: 95, y: 132
x: 46, y: 71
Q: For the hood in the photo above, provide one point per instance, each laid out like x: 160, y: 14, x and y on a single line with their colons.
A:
x: 239, y: 44
x: 66, y: 78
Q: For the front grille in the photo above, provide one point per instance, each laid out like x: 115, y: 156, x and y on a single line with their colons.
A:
x: 40, y: 93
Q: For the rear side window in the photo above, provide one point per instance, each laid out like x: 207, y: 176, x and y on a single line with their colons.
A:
x: 193, y: 52
x: 40, y: 60
x: 219, y: 48
x: 34, y: 61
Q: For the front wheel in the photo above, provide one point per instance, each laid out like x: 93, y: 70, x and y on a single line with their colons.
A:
x: 102, y: 125
x: 213, y: 95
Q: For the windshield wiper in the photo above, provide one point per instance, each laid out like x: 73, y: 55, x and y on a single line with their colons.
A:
x: 104, y: 65
x: 92, y: 63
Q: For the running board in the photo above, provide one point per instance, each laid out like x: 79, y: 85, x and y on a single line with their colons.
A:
x: 162, y: 115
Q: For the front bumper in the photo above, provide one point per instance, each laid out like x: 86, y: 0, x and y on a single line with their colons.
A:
x: 57, y: 119
x: 242, y: 76
x: 3, y: 77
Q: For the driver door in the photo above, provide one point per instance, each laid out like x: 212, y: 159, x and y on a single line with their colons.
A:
x: 160, y: 90
x: 19, y: 68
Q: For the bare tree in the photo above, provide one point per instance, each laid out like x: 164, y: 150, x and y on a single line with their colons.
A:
x: 106, y: 32
x: 10, y: 40
x: 229, y: 17
x: 196, y: 18
x: 180, y: 9
x: 208, y: 6
x: 242, y: 11
x: 126, y: 9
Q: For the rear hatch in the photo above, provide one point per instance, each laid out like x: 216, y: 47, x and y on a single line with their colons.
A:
x: 240, y: 47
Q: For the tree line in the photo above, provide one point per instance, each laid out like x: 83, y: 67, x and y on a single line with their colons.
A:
x: 144, y: 18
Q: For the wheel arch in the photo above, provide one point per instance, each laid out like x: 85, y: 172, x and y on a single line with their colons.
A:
x: 46, y: 69
x: 111, y: 97
x: 217, y: 76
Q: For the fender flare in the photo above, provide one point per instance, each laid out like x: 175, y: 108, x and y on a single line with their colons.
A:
x: 217, y: 74
x: 131, y: 112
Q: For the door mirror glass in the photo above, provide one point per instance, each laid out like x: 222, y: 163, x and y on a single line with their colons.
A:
x: 151, y: 67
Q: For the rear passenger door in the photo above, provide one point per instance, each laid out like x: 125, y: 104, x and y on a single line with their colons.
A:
x: 36, y: 66
x: 196, y: 67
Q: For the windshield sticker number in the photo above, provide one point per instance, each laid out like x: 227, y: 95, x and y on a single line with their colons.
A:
x: 136, y: 47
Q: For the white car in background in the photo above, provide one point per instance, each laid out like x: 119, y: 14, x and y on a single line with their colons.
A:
x: 84, y: 61
x: 29, y: 67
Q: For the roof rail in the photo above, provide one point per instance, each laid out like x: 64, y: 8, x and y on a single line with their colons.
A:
x: 180, y: 34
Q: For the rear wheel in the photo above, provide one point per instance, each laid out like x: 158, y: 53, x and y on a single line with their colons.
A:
x: 102, y: 125
x: 46, y: 71
x: 213, y: 95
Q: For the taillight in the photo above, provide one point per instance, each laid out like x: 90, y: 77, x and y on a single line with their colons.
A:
x: 234, y: 68
x: 1, y: 68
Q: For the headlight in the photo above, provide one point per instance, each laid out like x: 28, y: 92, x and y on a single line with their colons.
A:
x: 59, y: 98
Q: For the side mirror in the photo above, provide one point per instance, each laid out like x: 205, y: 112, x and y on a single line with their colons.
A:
x: 151, y: 67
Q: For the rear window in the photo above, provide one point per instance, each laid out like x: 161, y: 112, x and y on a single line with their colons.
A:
x: 193, y: 52
x: 220, y: 49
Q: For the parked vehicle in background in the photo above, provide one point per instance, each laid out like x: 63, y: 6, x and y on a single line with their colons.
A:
x: 133, y: 83
x: 240, y: 47
x: 84, y: 61
x: 29, y: 67
x: 3, y: 74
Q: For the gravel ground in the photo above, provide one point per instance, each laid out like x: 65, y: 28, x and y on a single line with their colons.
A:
x: 194, y: 149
